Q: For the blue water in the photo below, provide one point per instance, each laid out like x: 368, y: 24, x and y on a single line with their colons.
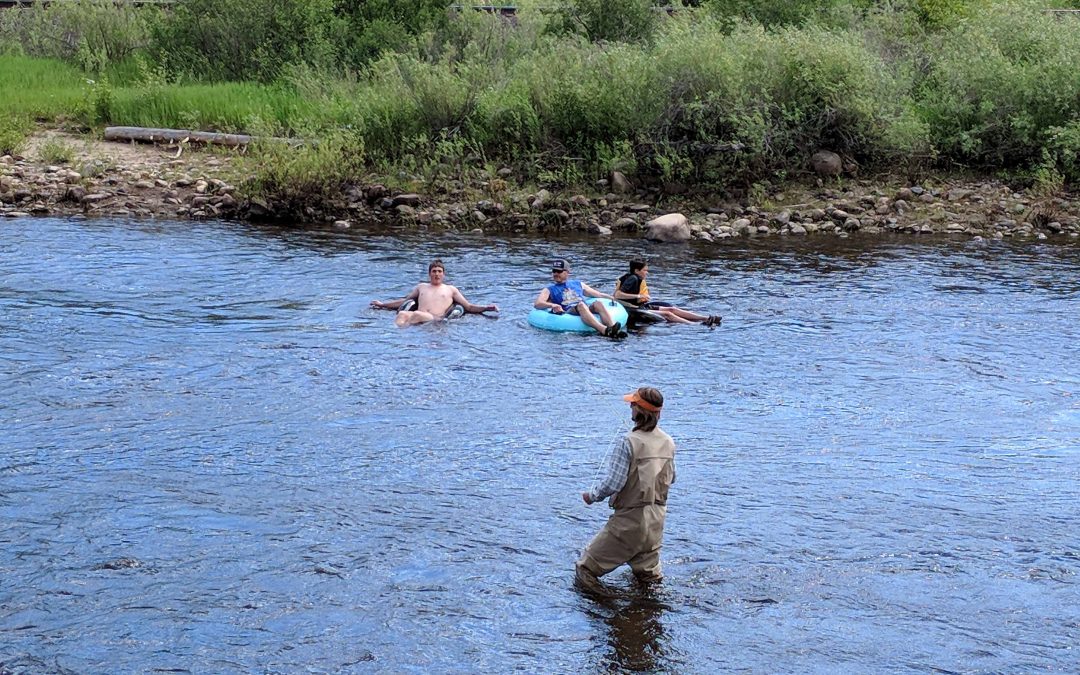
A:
x: 216, y: 458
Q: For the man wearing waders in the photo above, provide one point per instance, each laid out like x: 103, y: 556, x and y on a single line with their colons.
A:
x: 637, y: 477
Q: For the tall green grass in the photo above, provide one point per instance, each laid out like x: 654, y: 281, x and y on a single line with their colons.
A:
x: 43, y: 89
x: 226, y: 107
x: 51, y: 90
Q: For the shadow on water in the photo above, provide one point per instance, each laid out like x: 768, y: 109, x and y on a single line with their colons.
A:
x: 635, y: 635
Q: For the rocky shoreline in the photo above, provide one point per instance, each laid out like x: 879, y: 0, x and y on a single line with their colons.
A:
x: 147, y: 181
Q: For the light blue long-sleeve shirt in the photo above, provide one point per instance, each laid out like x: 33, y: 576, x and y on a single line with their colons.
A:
x: 613, y: 473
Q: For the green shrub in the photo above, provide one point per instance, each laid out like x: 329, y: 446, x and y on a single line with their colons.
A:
x: 608, y: 20
x: 14, y: 131
x: 306, y: 181
x: 89, y: 33
x: 56, y: 151
x: 243, y: 39
x: 372, y: 28
x: 1002, y: 87
x: 756, y: 103
x: 770, y: 13
x: 1063, y: 149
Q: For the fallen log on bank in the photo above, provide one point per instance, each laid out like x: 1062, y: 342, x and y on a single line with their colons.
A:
x: 150, y: 135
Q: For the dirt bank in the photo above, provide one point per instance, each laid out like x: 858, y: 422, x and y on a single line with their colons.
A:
x: 65, y: 175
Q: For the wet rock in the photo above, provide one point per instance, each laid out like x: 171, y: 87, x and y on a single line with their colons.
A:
x: 95, y: 198
x: 342, y: 224
x: 798, y: 229
x: 670, y: 228
x: 625, y: 224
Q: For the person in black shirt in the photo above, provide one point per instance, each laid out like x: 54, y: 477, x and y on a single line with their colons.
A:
x: 633, y: 291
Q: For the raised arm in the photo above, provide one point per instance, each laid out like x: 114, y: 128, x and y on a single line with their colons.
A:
x: 543, y: 301
x: 395, y: 304
x: 469, y: 307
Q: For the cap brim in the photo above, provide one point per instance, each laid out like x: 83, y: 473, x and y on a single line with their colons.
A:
x: 637, y: 400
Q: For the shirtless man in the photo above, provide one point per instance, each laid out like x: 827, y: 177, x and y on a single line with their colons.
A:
x: 433, y: 300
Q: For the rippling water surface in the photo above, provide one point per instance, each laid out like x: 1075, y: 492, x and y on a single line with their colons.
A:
x: 216, y: 458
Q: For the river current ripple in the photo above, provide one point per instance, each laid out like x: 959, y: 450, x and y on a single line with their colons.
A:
x: 216, y: 458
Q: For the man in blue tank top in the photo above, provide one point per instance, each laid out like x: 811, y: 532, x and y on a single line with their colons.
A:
x: 569, y: 295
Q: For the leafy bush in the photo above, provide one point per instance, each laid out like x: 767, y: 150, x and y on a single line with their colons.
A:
x: 1002, y: 87
x: 374, y: 27
x: 770, y: 13
x: 244, y: 39
x: 609, y: 20
x: 304, y: 181
x: 89, y: 33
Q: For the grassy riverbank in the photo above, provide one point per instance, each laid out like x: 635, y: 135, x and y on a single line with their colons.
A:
x: 705, y: 99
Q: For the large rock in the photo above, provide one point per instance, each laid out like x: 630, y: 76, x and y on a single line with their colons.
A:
x: 827, y: 163
x: 411, y: 200
x: 673, y: 227
x: 620, y: 183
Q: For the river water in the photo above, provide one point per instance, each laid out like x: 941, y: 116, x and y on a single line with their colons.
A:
x: 217, y: 458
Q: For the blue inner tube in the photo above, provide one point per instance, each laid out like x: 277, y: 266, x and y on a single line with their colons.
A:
x: 454, y: 312
x: 542, y: 318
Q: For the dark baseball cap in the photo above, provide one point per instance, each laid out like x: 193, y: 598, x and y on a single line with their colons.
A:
x: 559, y: 265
